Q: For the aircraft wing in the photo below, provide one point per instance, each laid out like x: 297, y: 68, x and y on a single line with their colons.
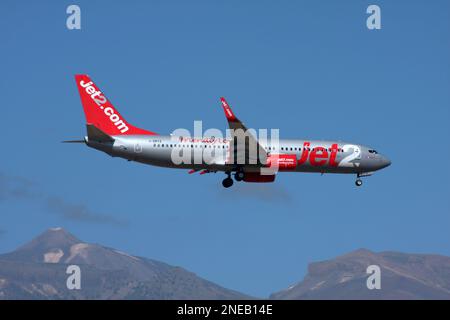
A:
x: 244, y: 146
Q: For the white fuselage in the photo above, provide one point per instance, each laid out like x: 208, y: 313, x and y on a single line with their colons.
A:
x: 214, y: 154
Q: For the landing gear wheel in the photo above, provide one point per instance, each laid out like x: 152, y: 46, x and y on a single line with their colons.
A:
x: 227, y: 182
x: 239, y: 176
x: 358, y: 182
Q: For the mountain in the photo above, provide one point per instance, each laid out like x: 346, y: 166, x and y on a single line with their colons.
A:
x: 403, y: 276
x: 37, y: 270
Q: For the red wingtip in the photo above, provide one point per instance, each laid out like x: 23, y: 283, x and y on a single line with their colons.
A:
x: 228, y: 112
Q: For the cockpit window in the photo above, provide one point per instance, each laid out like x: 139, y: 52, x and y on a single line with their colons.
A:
x: 373, y: 151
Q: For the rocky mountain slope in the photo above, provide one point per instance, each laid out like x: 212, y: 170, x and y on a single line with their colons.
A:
x: 37, y: 270
x: 403, y: 276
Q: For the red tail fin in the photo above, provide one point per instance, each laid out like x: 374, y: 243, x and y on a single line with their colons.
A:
x: 100, y: 112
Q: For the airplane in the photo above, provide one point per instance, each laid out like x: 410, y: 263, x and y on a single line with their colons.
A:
x: 108, y: 131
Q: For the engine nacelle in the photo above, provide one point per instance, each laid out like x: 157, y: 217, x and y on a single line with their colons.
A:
x: 257, y: 177
x: 285, y: 162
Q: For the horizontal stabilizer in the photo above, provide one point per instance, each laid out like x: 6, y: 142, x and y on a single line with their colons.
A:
x: 73, y: 141
x: 95, y: 134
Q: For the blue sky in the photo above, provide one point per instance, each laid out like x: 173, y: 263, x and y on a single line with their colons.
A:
x: 310, y: 68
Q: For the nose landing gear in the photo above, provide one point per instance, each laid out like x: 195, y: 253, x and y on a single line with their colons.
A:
x: 358, y: 181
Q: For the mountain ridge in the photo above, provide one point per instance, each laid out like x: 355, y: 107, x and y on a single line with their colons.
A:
x: 37, y: 270
x: 403, y: 276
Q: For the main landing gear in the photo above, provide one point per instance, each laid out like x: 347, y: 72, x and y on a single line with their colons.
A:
x: 227, y: 182
x: 239, y: 176
x: 358, y: 182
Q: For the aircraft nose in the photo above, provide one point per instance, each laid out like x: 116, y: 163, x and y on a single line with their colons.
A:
x: 385, y: 162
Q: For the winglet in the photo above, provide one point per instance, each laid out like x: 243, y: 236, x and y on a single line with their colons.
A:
x: 228, y: 112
